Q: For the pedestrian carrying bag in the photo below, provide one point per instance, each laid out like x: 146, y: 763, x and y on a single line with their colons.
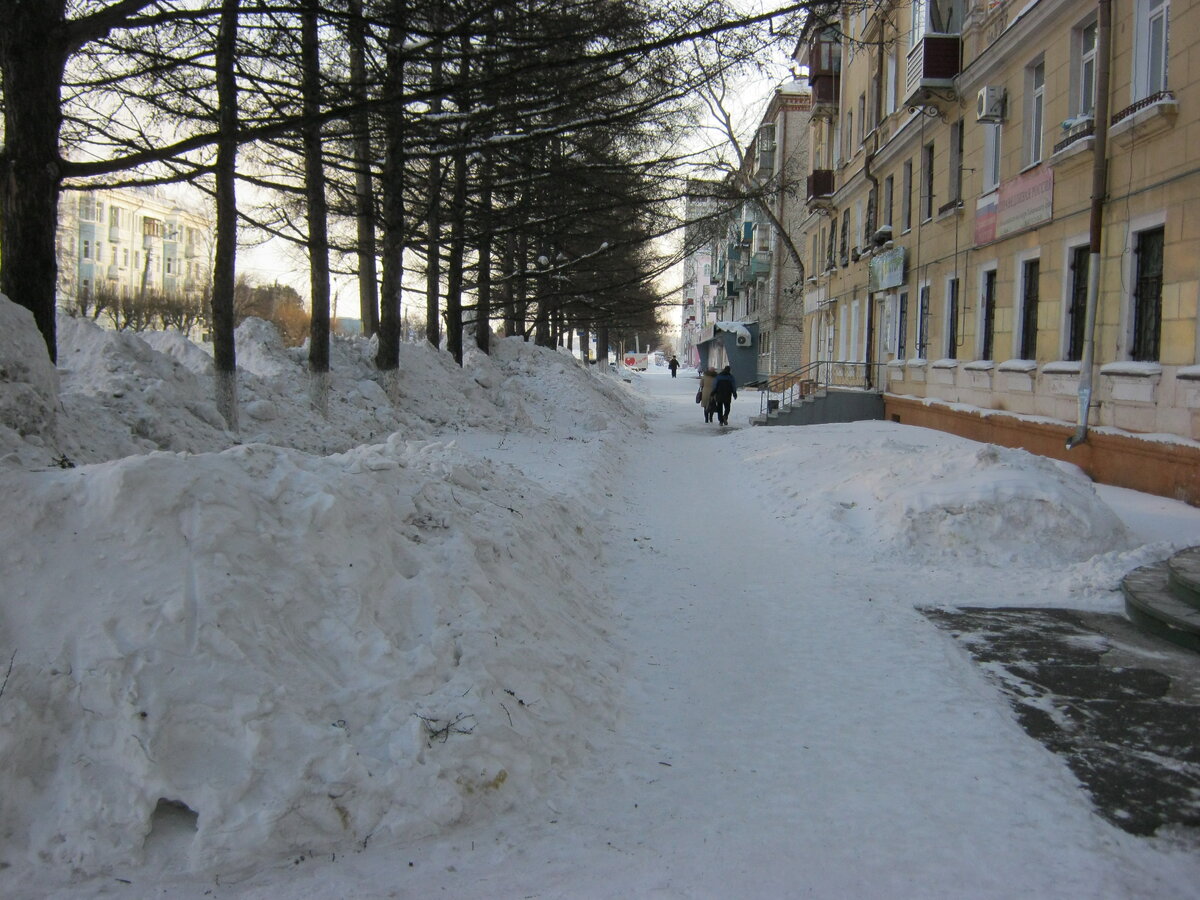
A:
x: 699, y: 394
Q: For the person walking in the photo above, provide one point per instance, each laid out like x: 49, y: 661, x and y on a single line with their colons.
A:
x: 704, y: 395
x: 724, y: 392
x: 673, y: 365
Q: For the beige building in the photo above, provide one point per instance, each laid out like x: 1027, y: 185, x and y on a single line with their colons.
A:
x: 128, y: 243
x: 757, y: 271
x: 950, y: 207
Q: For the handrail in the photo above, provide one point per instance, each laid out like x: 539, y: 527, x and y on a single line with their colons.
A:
x: 787, y: 387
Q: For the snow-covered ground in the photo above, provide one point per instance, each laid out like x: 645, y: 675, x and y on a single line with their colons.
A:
x: 522, y: 629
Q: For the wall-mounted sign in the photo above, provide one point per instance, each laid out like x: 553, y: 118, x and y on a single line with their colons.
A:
x: 1022, y: 203
x: 886, y: 270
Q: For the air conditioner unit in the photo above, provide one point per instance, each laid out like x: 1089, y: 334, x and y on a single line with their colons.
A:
x: 743, y: 340
x: 989, y: 105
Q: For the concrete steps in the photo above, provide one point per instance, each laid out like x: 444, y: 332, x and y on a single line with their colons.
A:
x: 1164, y: 598
x: 824, y: 407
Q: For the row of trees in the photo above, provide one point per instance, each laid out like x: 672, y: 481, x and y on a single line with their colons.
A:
x: 279, y: 304
x: 505, y: 162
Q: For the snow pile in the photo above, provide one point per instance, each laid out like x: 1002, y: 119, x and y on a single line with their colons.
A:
x: 28, y: 384
x: 304, y: 652
x: 123, y: 393
x: 225, y: 653
x: 935, y: 498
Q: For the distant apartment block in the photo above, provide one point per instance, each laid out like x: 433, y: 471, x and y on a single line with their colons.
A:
x: 130, y: 243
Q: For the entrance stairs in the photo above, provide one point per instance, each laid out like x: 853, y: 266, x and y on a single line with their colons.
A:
x: 1164, y: 598
x: 823, y: 406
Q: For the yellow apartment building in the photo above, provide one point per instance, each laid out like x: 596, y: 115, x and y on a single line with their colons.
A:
x: 950, y: 221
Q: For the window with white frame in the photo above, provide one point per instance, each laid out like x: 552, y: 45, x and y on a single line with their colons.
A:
x: 919, y: 19
x: 906, y: 195
x: 956, y: 162
x: 952, y: 318
x: 890, y: 82
x: 922, y: 321
x: 1150, y: 48
x: 1083, y: 100
x: 889, y: 187
x: 1035, y: 111
x: 87, y: 249
x: 927, y: 158
x: 991, y: 157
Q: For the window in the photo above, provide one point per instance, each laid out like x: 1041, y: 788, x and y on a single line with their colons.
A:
x: 922, y: 320
x: 125, y: 258
x: 889, y: 90
x: 1150, y: 53
x: 906, y: 195
x: 1147, y: 295
x: 956, y: 162
x: 849, y: 134
x: 952, y: 319
x: 902, y: 326
x: 919, y: 17
x: 1030, y: 271
x: 114, y: 254
x: 927, y: 182
x: 862, y: 118
x: 1084, y: 101
x: 89, y: 210
x: 170, y: 266
x: 987, y: 309
x: 845, y: 248
x: 991, y: 158
x: 1077, y: 307
x: 889, y: 184
x: 1035, y: 111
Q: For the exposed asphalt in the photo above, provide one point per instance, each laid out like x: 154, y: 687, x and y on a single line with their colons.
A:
x: 1120, y: 706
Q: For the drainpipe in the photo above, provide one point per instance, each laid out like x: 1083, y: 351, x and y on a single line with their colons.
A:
x: 1099, y: 190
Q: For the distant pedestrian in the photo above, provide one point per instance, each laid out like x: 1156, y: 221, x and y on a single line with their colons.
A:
x: 704, y: 396
x: 724, y: 391
x: 673, y: 365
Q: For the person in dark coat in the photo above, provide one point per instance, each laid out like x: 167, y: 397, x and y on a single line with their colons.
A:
x: 673, y: 365
x: 724, y: 391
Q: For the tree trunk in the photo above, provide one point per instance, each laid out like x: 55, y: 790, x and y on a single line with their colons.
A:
x: 33, y: 58
x: 458, y: 217
x: 387, y: 357
x: 225, y: 257
x: 433, y: 217
x: 318, y: 226
x: 364, y: 196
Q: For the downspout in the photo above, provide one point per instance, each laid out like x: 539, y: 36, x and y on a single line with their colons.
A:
x: 1099, y: 190
x: 873, y: 214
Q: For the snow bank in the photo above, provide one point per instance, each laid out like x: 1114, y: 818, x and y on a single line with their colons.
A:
x: 28, y: 386
x: 933, y: 498
x: 349, y: 627
x: 304, y: 652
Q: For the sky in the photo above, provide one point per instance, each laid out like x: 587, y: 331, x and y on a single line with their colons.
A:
x: 523, y: 629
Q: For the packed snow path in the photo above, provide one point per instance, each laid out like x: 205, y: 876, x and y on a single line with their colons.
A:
x: 794, y: 730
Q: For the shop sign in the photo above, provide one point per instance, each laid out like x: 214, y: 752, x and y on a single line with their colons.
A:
x: 886, y: 270
x: 1020, y: 204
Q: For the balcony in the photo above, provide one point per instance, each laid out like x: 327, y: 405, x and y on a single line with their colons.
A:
x: 825, y: 89
x: 820, y: 189
x: 760, y: 264
x: 113, y: 274
x: 766, y: 161
x: 932, y: 66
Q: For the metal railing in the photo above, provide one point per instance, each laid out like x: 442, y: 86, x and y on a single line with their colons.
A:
x: 789, y: 388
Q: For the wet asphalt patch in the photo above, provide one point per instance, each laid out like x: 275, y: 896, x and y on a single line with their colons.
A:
x: 1120, y: 706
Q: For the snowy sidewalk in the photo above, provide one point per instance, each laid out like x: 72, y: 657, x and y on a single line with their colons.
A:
x: 795, y: 728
